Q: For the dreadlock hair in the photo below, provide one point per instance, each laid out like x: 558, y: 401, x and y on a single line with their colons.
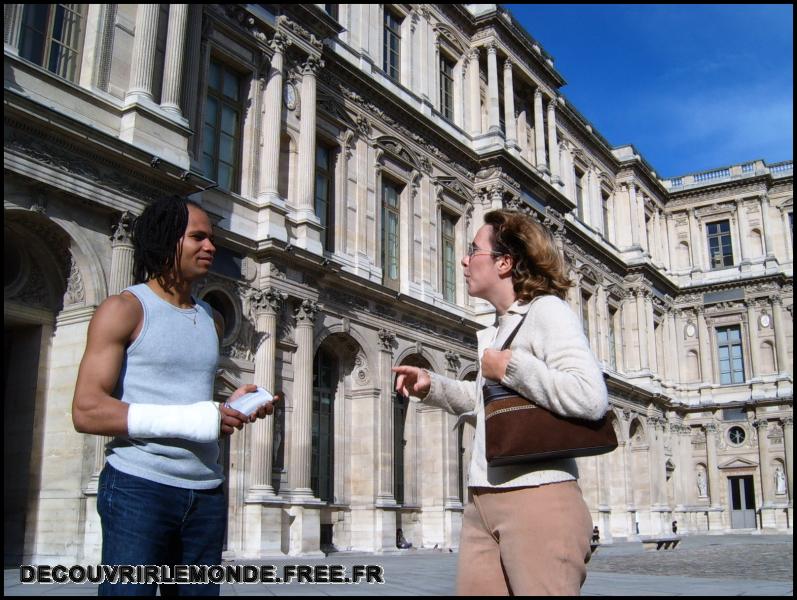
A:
x: 155, y: 236
x: 537, y: 267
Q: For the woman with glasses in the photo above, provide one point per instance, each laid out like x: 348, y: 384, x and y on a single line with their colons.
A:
x: 527, y: 530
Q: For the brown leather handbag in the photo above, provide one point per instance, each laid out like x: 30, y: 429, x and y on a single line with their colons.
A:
x: 518, y: 431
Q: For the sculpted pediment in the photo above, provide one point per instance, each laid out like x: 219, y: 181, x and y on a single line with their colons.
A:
x: 738, y: 463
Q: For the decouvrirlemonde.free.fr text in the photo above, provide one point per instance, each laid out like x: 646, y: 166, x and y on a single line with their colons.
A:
x: 188, y: 574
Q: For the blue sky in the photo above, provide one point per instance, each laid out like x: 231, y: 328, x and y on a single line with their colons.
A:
x: 692, y: 87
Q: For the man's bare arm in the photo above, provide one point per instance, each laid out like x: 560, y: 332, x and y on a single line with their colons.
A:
x: 94, y: 409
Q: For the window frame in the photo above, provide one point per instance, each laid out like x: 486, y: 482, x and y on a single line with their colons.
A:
x: 239, y: 106
x: 719, y: 235
x: 446, y: 91
x: 387, y: 210
x: 730, y: 344
x: 579, y: 191
x: 391, y: 31
x: 446, y: 285
x: 328, y: 173
x: 49, y: 41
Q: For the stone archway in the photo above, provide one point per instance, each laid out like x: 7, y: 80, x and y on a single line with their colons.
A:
x: 39, y: 280
x: 340, y: 371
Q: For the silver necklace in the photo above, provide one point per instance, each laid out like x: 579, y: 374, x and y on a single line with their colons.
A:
x: 191, y: 317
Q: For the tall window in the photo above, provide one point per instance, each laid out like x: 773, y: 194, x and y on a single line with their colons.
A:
x: 392, y: 44
x: 613, y: 338
x: 221, y: 135
x: 605, y: 207
x: 729, y: 349
x: 400, y: 405
x: 324, y: 195
x: 447, y: 88
x: 448, y: 246
x: 719, y: 244
x: 52, y: 36
x: 580, y: 193
x: 390, y: 234
x: 325, y: 379
x: 585, y: 297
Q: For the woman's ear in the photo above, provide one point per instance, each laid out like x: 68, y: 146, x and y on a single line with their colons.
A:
x: 505, y: 264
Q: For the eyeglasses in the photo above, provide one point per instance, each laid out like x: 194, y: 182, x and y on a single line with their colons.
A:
x: 474, y: 250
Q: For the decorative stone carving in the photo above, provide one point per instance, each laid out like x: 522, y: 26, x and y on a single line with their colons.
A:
x: 123, y: 230
x: 453, y: 360
x: 387, y: 340
x: 306, y: 312
x: 75, y: 294
x: 360, y: 375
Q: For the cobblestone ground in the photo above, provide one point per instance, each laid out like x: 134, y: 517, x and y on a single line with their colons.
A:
x: 736, y: 557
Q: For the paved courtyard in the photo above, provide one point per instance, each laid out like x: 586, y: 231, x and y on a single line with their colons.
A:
x: 731, y: 565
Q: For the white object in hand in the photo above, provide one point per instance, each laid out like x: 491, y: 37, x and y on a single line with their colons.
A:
x: 249, y: 403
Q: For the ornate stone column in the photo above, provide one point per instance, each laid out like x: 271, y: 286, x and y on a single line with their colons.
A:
x: 509, y: 104
x: 173, y: 63
x: 450, y: 444
x: 634, y: 214
x: 602, y: 310
x: 714, y: 491
x: 752, y: 338
x: 706, y: 372
x: 272, y: 122
x: 307, y: 144
x: 681, y: 436
x: 12, y: 16
x: 744, y: 231
x: 265, y: 304
x: 121, y: 277
x: 780, y: 335
x: 769, y: 249
x: 193, y: 52
x: 553, y: 144
x: 656, y: 461
x: 474, y: 93
x: 142, y: 61
x: 786, y: 233
x: 657, y: 249
x: 539, y: 132
x: 628, y: 487
x: 644, y: 354
x: 764, y: 470
x: 643, y: 224
x: 493, y: 118
x: 788, y: 443
x: 301, y: 419
x: 384, y: 417
x: 698, y: 262
x: 121, y: 255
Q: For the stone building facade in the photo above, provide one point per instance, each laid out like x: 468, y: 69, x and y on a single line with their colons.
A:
x: 347, y: 154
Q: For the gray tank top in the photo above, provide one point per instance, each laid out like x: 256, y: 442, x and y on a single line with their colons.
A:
x: 172, y: 361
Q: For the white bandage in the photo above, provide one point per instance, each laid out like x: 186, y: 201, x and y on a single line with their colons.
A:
x: 198, y: 422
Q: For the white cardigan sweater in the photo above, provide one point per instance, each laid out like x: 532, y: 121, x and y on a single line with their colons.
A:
x: 552, y: 363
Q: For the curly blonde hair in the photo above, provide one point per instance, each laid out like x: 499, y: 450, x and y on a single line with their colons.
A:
x: 537, y: 267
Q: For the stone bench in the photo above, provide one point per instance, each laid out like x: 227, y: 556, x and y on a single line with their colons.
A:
x: 660, y: 543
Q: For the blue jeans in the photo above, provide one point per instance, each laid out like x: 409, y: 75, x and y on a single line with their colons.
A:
x: 148, y: 523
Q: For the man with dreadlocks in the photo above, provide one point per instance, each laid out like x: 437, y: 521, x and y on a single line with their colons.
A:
x: 146, y: 379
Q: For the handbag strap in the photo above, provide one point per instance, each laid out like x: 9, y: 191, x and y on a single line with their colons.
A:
x: 514, y: 333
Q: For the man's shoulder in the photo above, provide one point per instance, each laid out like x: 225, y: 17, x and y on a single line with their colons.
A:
x: 120, y: 313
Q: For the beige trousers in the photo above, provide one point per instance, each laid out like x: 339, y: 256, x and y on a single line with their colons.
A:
x: 527, y: 541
